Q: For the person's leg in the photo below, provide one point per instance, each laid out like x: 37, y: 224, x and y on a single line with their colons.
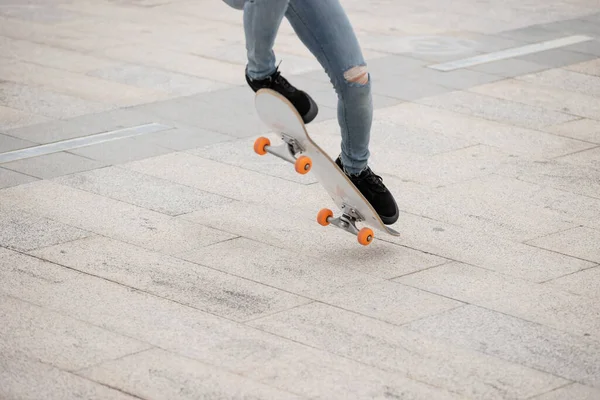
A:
x: 262, y: 19
x: 323, y: 26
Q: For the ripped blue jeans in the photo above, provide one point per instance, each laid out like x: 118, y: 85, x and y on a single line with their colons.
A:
x: 324, y: 28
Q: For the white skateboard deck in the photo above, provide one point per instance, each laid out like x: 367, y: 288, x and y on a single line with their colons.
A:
x: 283, y: 118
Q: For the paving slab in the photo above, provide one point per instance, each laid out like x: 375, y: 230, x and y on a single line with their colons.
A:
x: 583, y: 282
x: 185, y: 282
x: 484, y: 250
x: 582, y: 129
x: 53, y: 165
x: 10, y: 178
x: 572, y: 391
x: 46, y: 55
x: 469, y: 205
x: 334, y: 246
x: 157, y: 79
x: 293, y: 272
x: 322, y: 375
x: 505, y: 111
x: 25, y: 379
x: 509, y: 68
x: 591, y: 67
x: 575, y: 177
x: 513, y: 339
x: 57, y: 340
x: 12, y: 118
x: 111, y: 218
x: 579, y: 242
x: 10, y: 143
x: 160, y: 322
x: 121, y: 151
x: 557, y: 57
x: 158, y: 373
x: 83, y: 125
x: 566, y: 80
x: 23, y: 231
x: 398, y: 349
x: 45, y: 102
x: 149, y: 192
x: 511, y: 139
x: 80, y: 86
x: 469, y: 284
x: 542, y: 96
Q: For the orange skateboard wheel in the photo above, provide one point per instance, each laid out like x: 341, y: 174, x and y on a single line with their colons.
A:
x: 365, y: 236
x: 323, y: 216
x: 260, y: 144
x: 303, y: 165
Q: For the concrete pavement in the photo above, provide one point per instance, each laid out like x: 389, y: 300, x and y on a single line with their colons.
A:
x: 156, y: 256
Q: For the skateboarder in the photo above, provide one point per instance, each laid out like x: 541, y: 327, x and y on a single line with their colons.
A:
x: 324, y: 28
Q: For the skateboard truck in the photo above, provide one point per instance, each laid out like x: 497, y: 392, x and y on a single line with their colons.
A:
x: 347, y: 221
x: 286, y: 151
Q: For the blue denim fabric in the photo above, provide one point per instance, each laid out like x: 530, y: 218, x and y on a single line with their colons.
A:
x: 324, y: 28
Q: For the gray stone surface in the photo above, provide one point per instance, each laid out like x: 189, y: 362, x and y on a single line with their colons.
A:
x: 10, y: 143
x: 458, y: 79
x: 509, y: 68
x: 23, y: 231
x: 470, y: 284
x: 531, y: 34
x: 396, y: 349
x: 159, y: 322
x: 184, y: 282
x: 148, y: 192
x: 511, y: 139
x: 566, y: 80
x: 309, y: 277
x: 405, y: 88
x: 159, y: 373
x: 304, y: 235
x: 582, y: 129
x: 195, y: 268
x: 112, y: 218
x: 53, y: 165
x: 153, y: 78
x: 10, y: 178
x: 587, y: 47
x: 121, y: 151
x: 11, y: 118
x: 584, y: 282
x: 572, y: 391
x: 25, y: 379
x: 591, y: 67
x: 485, y: 250
x: 569, y: 177
x: 541, y: 96
x: 57, y: 340
x: 557, y: 57
x: 500, y: 110
x: 560, y: 354
x: 579, y: 242
x: 84, y: 125
x: 185, y: 137
x: 36, y: 100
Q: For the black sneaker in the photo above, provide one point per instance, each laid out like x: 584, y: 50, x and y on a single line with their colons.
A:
x: 371, y: 186
x: 306, y: 106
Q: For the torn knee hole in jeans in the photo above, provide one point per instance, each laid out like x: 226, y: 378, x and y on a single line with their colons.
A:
x: 357, y: 74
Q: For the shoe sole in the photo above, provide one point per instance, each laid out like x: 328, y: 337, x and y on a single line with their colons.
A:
x: 312, y: 111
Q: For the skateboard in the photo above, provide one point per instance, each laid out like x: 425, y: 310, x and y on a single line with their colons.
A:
x: 298, y: 148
